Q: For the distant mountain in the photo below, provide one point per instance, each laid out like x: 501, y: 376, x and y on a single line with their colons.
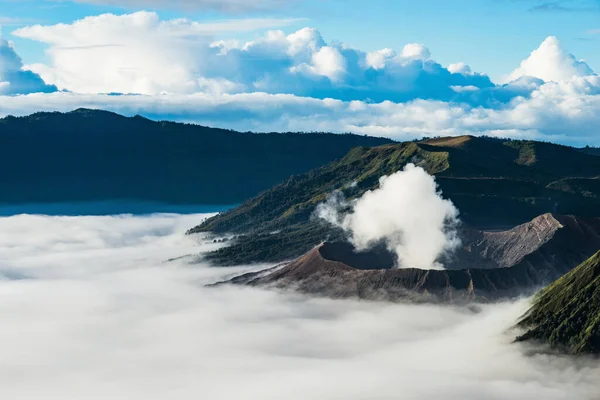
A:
x: 490, y: 266
x: 566, y: 315
x: 495, y: 184
x: 89, y: 155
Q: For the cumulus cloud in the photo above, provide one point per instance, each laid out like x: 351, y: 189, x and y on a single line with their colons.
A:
x: 136, y: 53
x: 139, y: 53
x: 406, y: 212
x: 417, y: 51
x: 14, y: 79
x: 459, y: 68
x: 551, y: 63
x: 92, y: 310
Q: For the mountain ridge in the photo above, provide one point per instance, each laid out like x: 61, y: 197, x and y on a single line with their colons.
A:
x: 496, y: 184
x: 95, y: 155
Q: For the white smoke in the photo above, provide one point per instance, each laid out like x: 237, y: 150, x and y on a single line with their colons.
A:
x: 407, y: 212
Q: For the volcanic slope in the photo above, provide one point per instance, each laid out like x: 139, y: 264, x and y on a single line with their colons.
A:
x: 496, y: 184
x: 490, y: 266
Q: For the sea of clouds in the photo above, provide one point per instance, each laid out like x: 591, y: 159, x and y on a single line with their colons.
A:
x: 91, y: 309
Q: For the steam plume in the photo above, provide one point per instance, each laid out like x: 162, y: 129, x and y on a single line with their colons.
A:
x: 407, y: 212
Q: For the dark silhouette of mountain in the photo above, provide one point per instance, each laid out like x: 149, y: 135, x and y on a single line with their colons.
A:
x: 490, y: 266
x: 496, y: 184
x: 591, y: 150
x: 566, y: 315
x: 89, y: 155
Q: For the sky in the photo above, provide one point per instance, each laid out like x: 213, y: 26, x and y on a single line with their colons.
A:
x: 403, y: 69
x: 144, y: 328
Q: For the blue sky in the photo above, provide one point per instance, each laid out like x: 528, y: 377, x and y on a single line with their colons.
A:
x: 490, y: 35
x: 401, y: 69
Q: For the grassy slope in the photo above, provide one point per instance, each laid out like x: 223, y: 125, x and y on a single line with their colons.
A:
x: 294, y: 200
x: 567, y: 313
x: 492, y: 182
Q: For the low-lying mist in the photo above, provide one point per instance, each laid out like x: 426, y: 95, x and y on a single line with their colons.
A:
x: 91, y: 310
x: 407, y: 212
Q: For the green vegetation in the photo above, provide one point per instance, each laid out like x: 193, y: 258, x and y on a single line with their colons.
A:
x: 589, y: 187
x: 494, y: 183
x: 566, y: 315
x: 275, y: 246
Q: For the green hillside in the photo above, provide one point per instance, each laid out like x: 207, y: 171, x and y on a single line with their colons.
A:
x: 494, y: 183
x: 566, y: 315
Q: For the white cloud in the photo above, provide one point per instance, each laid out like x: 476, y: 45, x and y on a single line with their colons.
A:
x: 133, y: 53
x: 550, y: 62
x: 305, y: 41
x: 566, y: 112
x: 139, y: 53
x: 415, y: 50
x: 91, y: 310
x: 459, y: 68
x: 329, y: 62
x: 379, y: 58
x: 462, y: 89
x: 14, y: 79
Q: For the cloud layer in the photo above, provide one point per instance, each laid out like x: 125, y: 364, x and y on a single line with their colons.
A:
x: 565, y: 112
x: 91, y: 310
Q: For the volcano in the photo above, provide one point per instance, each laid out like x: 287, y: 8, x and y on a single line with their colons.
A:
x: 490, y: 266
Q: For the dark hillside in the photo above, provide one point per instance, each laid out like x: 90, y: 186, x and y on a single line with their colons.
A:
x: 89, y: 155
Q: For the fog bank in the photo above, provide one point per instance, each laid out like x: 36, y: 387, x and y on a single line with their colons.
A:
x: 91, y: 310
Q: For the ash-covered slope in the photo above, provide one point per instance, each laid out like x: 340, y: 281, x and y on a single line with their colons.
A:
x: 490, y: 266
x: 566, y: 315
x: 547, y: 241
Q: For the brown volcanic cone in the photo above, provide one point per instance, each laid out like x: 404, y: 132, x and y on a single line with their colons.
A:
x: 495, y: 265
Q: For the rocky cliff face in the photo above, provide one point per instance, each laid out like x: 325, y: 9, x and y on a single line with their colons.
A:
x: 551, y: 242
x: 490, y: 266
